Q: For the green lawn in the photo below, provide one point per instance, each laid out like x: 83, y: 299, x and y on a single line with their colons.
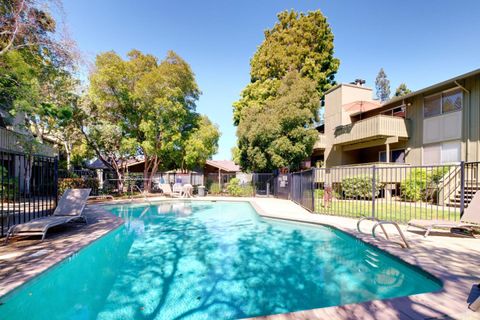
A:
x: 387, y: 210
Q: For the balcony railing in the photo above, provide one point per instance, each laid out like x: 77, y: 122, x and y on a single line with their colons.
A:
x: 17, y: 142
x: 377, y: 127
x: 321, y: 142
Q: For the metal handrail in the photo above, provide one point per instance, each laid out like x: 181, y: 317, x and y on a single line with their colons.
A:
x: 370, y: 219
x: 139, y: 190
x: 381, y: 223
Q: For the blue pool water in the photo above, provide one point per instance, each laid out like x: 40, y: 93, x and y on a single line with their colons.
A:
x: 211, y: 260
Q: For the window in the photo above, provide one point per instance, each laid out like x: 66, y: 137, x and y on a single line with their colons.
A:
x: 446, y: 152
x: 432, y: 106
x: 452, y: 101
x: 396, y: 112
x: 450, y: 152
x: 445, y: 102
x: 397, y: 156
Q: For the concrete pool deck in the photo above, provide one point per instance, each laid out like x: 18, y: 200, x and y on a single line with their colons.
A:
x: 454, y: 260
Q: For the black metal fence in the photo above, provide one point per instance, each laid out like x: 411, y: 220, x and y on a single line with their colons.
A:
x: 397, y: 193
x: 28, y: 188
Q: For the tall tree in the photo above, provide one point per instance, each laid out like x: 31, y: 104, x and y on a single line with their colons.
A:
x: 297, y: 55
x: 301, y: 42
x: 402, y: 90
x: 153, y: 105
x: 382, y: 85
x: 281, y: 134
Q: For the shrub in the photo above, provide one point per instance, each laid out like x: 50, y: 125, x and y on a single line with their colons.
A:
x: 214, y: 188
x: 360, y: 187
x: 415, y: 186
x: 77, y: 183
x: 8, y: 186
x: 235, y: 189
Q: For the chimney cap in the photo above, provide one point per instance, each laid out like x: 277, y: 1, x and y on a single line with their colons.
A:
x: 358, y: 82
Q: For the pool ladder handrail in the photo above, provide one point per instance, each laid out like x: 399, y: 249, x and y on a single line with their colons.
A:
x: 381, y: 223
x: 139, y: 190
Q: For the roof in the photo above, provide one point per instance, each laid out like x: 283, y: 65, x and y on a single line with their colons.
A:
x: 225, y: 165
x: 98, y: 164
x: 433, y: 87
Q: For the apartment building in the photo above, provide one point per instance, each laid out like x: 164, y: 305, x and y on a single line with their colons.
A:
x: 435, y: 125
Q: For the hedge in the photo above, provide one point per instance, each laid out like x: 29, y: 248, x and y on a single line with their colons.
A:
x: 360, y: 187
x: 77, y: 183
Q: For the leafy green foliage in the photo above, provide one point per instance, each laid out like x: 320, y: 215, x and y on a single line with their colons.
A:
x: 360, y: 187
x: 76, y: 183
x: 300, y: 42
x: 402, y: 90
x: 202, y: 143
x: 8, y: 185
x: 382, y: 85
x: 281, y: 134
x: 146, y: 107
x: 214, y: 188
x: 235, y: 189
x: 420, y: 181
x: 290, y: 72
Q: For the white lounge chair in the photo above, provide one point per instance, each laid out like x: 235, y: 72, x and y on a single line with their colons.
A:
x: 167, y: 190
x: 470, y: 219
x: 69, y: 209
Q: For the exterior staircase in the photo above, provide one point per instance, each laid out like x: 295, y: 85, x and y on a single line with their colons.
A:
x: 471, y: 187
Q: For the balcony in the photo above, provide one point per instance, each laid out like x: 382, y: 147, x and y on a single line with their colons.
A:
x: 321, y: 142
x: 17, y: 142
x: 375, y: 129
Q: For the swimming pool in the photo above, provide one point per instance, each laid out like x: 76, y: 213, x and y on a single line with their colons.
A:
x: 212, y: 260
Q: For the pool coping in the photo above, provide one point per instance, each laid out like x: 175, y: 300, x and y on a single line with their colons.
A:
x: 420, y: 306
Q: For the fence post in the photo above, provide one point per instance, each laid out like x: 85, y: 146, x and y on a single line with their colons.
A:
x: 462, y: 187
x: 373, y: 190
x: 55, y: 180
x: 312, y: 186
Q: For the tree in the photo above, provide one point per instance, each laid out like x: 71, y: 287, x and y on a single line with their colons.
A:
x: 301, y: 42
x: 402, y: 90
x: 281, y: 134
x: 28, y: 25
x: 382, y: 84
x: 202, y: 144
x: 153, y: 106
x: 290, y: 72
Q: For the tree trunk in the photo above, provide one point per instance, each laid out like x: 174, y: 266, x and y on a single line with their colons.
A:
x: 68, y: 152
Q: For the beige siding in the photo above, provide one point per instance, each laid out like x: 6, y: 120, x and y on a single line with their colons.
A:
x: 371, y: 128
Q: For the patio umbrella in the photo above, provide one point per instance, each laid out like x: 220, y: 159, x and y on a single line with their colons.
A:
x: 360, y: 106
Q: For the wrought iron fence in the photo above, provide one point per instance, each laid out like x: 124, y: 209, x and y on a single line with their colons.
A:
x: 396, y: 193
x: 28, y: 188
x: 302, y: 190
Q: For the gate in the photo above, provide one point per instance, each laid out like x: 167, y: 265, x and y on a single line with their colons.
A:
x: 264, y: 184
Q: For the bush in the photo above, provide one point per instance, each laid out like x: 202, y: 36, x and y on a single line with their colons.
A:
x: 214, y: 188
x: 360, y: 187
x: 8, y: 186
x: 235, y: 189
x: 415, y: 186
x: 77, y: 183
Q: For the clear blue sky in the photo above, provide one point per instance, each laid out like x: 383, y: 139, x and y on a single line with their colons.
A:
x: 417, y: 42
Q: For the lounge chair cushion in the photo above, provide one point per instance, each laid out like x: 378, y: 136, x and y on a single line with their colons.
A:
x: 430, y: 223
x: 40, y: 224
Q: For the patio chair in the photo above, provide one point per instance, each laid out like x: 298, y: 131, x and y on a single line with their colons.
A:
x: 167, y: 190
x: 69, y: 209
x: 187, y: 190
x: 470, y: 219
